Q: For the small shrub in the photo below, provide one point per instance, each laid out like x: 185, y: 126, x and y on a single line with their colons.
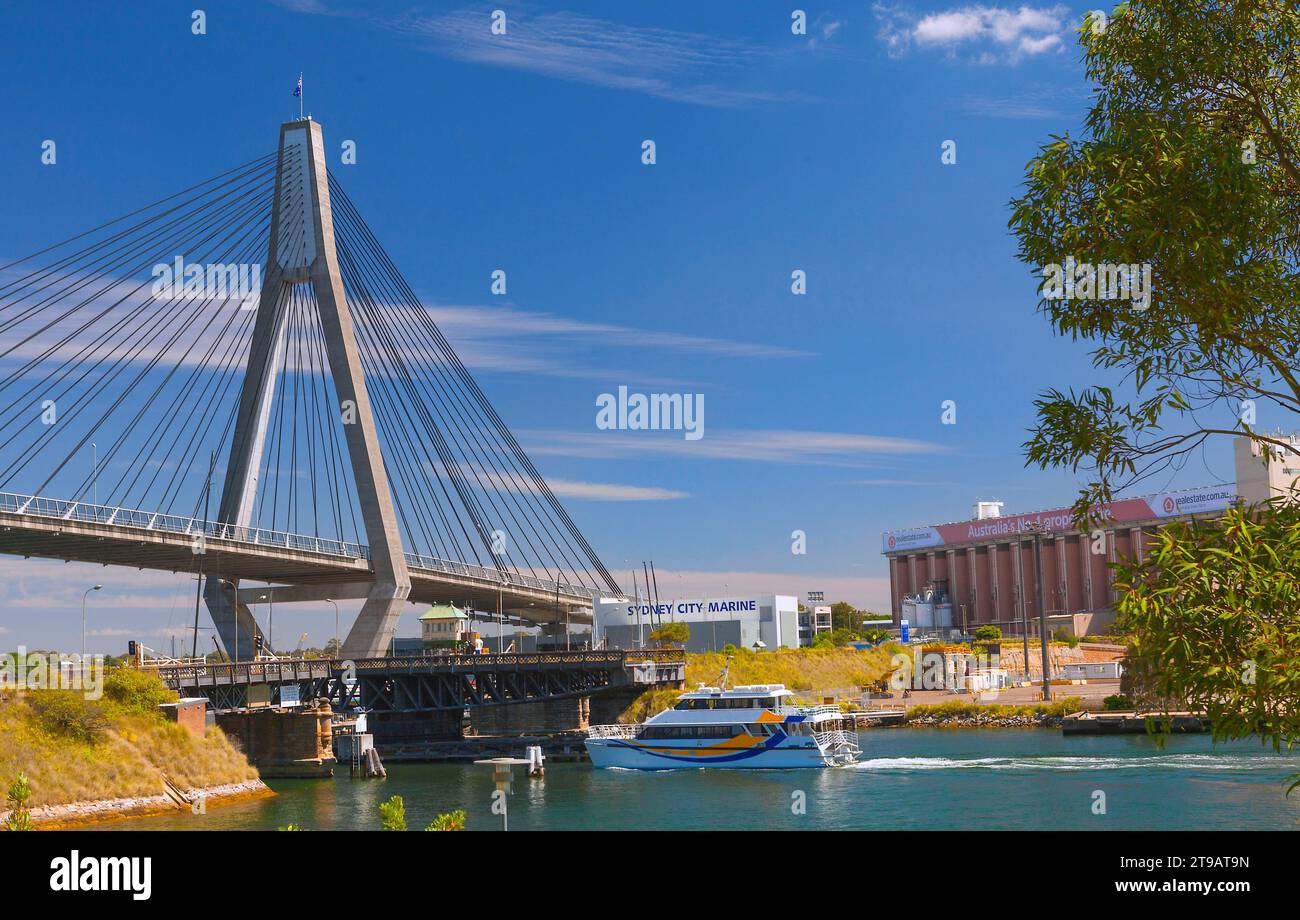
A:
x: 67, y: 713
x: 392, y: 814
x: 1063, y: 634
x: 137, y: 691
x: 987, y: 633
x: 20, y: 819
x: 1117, y: 703
x: 452, y: 821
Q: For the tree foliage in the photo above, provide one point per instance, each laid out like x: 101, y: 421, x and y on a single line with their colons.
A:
x: 1189, y: 163
x: 1214, y: 618
x: 671, y: 634
x: 451, y: 821
x: 392, y: 814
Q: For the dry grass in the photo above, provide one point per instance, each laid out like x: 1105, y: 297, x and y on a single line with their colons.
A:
x: 126, y: 758
x: 811, y: 672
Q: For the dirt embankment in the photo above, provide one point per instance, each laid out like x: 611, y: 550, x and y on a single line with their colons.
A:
x: 88, y: 756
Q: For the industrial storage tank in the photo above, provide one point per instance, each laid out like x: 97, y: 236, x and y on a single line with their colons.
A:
x: 918, y: 611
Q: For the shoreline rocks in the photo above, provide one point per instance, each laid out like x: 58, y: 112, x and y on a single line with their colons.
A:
x: 979, y: 720
x: 72, y: 814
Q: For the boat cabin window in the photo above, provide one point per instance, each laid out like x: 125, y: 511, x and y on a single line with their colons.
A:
x: 713, y: 732
x: 724, y: 703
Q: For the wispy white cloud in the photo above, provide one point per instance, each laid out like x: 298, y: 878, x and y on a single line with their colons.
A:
x: 611, y: 492
x: 690, y: 67
x: 823, y: 448
x: 995, y: 34
x: 511, y: 340
x: 509, y: 322
x: 564, y: 488
x: 899, y: 482
x: 824, y: 30
x: 498, y: 339
x: 1026, y: 106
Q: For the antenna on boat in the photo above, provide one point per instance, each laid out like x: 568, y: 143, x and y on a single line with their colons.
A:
x: 726, y: 674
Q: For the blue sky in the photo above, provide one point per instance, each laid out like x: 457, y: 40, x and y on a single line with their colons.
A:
x: 775, y: 152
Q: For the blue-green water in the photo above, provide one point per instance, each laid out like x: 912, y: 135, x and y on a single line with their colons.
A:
x: 908, y: 779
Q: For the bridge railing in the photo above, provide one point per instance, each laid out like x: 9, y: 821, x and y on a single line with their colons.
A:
x: 496, y: 576
x: 244, y: 672
x: 62, y: 509
x: 655, y: 654
x: 417, y: 662
x: 295, y: 669
x: 86, y: 512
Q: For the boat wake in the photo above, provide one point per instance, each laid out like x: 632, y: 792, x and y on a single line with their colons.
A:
x: 1208, y: 762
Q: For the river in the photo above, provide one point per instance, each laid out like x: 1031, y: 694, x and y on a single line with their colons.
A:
x: 1004, y: 779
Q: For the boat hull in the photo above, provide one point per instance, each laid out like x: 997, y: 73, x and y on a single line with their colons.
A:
x: 633, y: 755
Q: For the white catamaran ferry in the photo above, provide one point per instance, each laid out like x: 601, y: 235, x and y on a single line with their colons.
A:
x: 745, y: 727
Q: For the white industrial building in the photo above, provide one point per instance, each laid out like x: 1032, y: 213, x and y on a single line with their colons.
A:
x: 1096, y: 670
x: 755, y: 622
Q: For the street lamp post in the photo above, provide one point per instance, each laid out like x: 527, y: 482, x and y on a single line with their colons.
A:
x: 83, y: 619
x: 502, y: 778
x: 1038, y: 530
x: 558, y: 576
x: 336, y: 627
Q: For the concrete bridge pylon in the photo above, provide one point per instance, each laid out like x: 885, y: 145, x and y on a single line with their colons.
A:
x: 302, y: 251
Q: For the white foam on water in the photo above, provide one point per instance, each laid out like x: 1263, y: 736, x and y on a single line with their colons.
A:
x: 1081, y: 763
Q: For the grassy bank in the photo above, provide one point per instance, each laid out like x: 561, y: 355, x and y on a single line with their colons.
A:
x: 807, y: 671
x: 76, y: 750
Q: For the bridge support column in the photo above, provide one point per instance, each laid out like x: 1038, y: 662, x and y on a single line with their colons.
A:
x: 234, y: 621
x: 302, y: 251
x: 284, y: 742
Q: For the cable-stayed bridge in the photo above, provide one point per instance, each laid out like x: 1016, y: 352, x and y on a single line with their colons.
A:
x: 237, y: 382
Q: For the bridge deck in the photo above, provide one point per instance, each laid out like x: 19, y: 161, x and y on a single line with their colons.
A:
x: 57, y: 529
x: 428, y: 682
